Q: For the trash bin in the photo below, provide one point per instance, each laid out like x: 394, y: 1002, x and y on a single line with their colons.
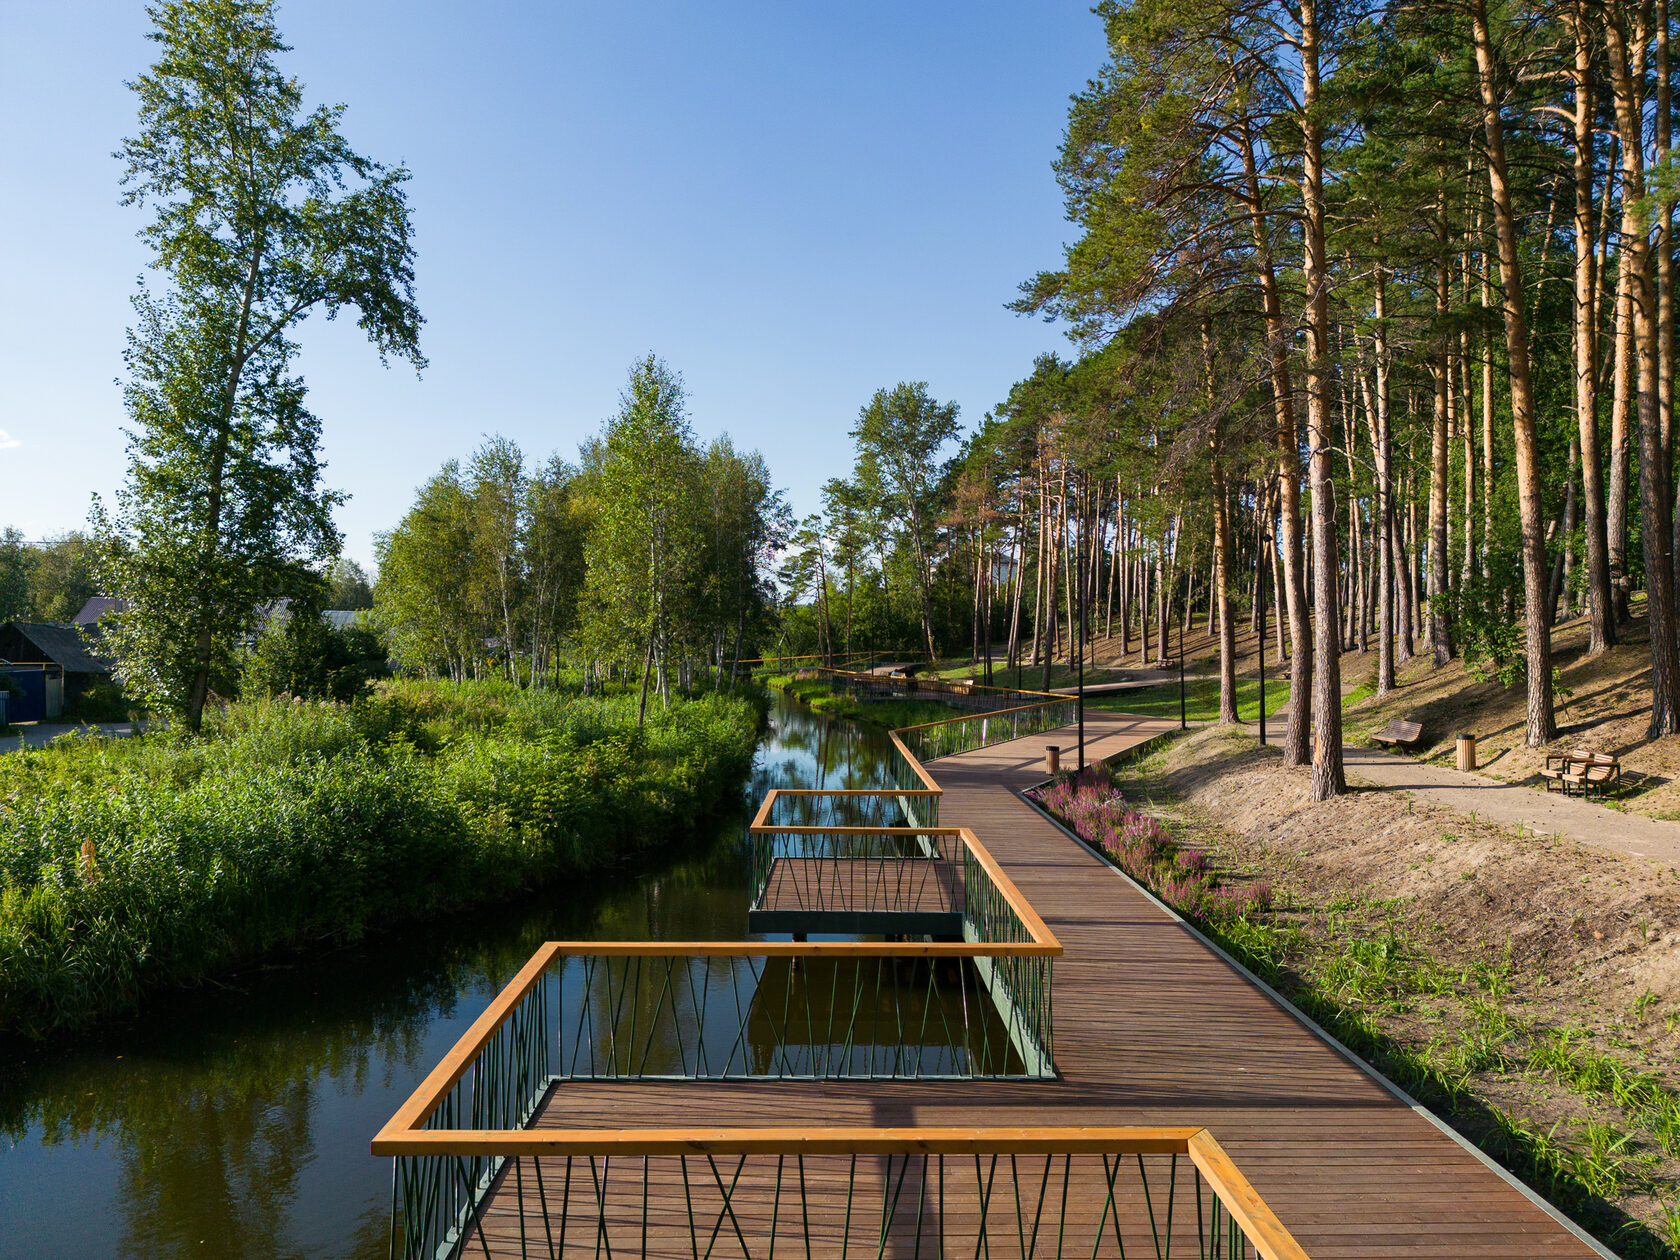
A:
x: 1052, y: 759
x: 1466, y: 752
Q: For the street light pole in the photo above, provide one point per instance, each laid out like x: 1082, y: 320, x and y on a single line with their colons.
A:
x: 1260, y: 594
x: 1183, y: 723
x: 1079, y: 636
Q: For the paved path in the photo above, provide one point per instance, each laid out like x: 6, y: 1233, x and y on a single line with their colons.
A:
x: 38, y: 734
x: 1516, y: 804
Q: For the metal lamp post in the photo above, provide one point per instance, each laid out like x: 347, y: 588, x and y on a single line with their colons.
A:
x: 1079, y: 635
x: 1260, y: 595
x: 1183, y: 721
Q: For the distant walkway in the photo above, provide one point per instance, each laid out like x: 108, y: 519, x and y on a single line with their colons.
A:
x: 1516, y: 804
x: 39, y: 734
x: 1139, y: 678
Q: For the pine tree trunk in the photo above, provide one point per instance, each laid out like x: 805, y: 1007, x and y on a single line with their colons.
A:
x: 1542, y: 723
x: 1440, y: 625
x: 1327, y: 777
x: 1561, y: 564
x: 1296, y: 750
x: 1143, y: 607
x: 1656, y: 502
x: 1620, y: 403
x: 1601, y: 623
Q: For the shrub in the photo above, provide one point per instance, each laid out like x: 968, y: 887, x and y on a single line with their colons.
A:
x: 293, y: 822
x: 1093, y: 807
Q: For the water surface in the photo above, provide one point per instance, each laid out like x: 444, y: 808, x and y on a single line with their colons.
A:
x: 235, y: 1120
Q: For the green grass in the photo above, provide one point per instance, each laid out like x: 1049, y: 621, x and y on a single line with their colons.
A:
x: 887, y: 714
x: 1031, y: 676
x: 1201, y: 699
x: 292, y: 824
x: 1363, y: 968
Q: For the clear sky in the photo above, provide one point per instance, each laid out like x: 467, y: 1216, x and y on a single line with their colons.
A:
x: 793, y: 203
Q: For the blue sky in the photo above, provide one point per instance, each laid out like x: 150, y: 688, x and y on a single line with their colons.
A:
x: 794, y: 204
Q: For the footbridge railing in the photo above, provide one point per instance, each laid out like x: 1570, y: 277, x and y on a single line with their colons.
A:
x: 1013, y: 1194
x: 479, y: 1170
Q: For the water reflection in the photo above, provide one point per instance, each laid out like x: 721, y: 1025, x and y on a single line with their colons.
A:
x: 235, y: 1121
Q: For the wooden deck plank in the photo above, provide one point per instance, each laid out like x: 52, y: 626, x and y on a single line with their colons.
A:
x: 867, y: 895
x: 1151, y: 1028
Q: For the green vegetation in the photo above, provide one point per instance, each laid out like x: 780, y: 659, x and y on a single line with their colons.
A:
x: 1201, y: 696
x: 47, y: 581
x: 648, y: 559
x: 223, y: 511
x: 1353, y: 970
x: 293, y: 824
x: 891, y: 714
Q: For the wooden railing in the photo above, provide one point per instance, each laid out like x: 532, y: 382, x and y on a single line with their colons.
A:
x: 832, y: 1192
x: 468, y: 1123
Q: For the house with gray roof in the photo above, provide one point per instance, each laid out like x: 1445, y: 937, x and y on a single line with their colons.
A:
x: 48, y: 665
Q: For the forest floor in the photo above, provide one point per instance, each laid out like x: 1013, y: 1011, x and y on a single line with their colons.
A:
x: 1602, y: 702
x: 1526, y: 987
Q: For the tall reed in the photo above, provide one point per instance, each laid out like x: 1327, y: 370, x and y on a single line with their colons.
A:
x: 288, y: 824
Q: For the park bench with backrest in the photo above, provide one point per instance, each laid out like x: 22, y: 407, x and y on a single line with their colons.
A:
x: 1559, y: 764
x: 1399, y: 732
x: 1595, y: 772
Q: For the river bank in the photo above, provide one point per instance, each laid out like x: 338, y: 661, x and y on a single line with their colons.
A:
x: 133, y: 866
x: 884, y: 714
x: 233, y: 1120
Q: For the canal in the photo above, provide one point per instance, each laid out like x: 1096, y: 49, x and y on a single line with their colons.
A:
x: 234, y: 1121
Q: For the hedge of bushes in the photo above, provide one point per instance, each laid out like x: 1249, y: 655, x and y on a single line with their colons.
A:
x: 291, y: 823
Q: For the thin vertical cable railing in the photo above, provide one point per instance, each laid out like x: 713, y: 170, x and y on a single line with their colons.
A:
x: 1009, y: 1194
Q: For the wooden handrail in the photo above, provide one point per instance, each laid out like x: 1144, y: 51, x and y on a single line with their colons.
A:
x: 989, y: 713
x: 1258, y: 1221
x: 807, y: 949
x: 1044, y: 944
x: 1035, y: 926
x: 761, y: 820
x: 777, y: 1141
x: 453, y: 1066
x: 968, y: 688
x: 915, y: 764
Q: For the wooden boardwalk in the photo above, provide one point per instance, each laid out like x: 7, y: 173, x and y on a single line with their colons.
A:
x: 871, y: 895
x: 1151, y: 1029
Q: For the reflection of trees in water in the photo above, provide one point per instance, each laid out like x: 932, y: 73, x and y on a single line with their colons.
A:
x: 222, y: 1101
x: 818, y: 752
x: 889, y: 1016
x: 229, y: 1110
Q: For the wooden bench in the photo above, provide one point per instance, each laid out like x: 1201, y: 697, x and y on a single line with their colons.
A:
x: 1598, y: 772
x: 1399, y: 732
x: 1559, y: 764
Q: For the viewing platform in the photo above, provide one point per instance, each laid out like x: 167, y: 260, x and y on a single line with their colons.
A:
x: 906, y: 894
x: 1075, y: 1074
